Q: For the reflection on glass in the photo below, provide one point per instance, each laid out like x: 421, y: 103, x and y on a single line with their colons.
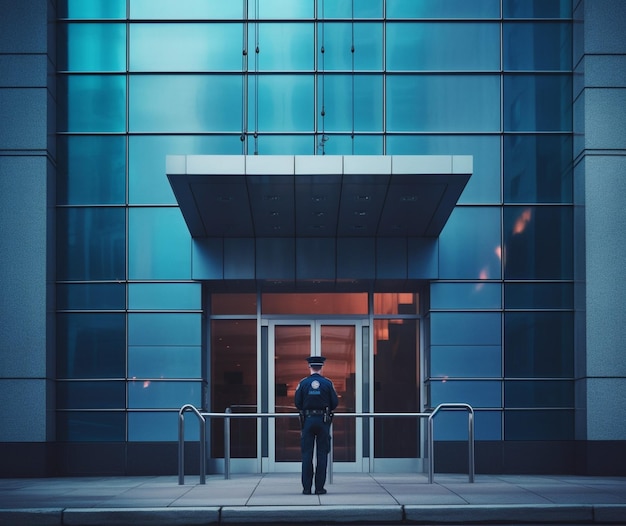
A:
x: 396, y: 303
x: 337, y: 303
x: 234, y: 385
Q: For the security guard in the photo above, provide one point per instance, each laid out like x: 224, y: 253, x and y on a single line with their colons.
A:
x: 315, y: 399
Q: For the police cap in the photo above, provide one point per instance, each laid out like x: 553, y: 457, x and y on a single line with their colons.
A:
x: 316, y: 360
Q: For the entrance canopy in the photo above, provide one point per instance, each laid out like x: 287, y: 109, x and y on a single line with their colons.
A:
x: 369, y: 196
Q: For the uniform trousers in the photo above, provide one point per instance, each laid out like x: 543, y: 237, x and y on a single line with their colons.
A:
x: 315, y: 430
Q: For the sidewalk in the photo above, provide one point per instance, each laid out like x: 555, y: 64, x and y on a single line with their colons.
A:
x: 275, y: 498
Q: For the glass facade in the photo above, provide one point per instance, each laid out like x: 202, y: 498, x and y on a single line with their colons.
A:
x: 142, y: 79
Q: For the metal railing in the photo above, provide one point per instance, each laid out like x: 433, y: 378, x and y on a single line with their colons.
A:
x: 228, y: 415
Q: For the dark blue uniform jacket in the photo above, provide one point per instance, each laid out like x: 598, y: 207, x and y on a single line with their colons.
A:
x: 316, y: 392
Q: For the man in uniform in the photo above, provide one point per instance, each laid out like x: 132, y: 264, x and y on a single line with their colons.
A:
x: 315, y: 399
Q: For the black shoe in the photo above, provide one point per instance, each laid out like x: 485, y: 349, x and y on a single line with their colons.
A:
x: 321, y: 491
x: 306, y: 491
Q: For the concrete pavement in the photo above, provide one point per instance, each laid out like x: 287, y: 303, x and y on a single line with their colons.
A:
x: 374, y: 498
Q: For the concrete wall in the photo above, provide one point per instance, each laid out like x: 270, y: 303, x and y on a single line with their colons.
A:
x: 26, y: 224
x: 600, y: 175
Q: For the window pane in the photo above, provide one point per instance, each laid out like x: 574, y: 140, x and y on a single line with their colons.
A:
x: 465, y: 328
x: 164, y: 361
x: 537, y: 46
x: 233, y: 303
x: 550, y: 96
x: 274, y: 55
x: 281, y: 144
x: 484, y: 184
x: 539, y: 393
x: 147, y: 181
x: 91, y: 296
x: 453, y: 425
x: 159, y: 244
x: 349, y: 8
x: 91, y: 345
x: 537, y: 8
x: 82, y: 426
x: 285, y: 103
x: 92, y: 103
x: 393, y: 303
x: 443, y: 103
x: 337, y: 38
x: 465, y: 296
x: 342, y: 113
x: 92, y: 47
x: 539, y: 425
x: 91, y: 170
x: 539, y: 296
x: 469, y: 245
x: 164, y: 329
x: 185, y: 47
x: 187, y: 103
x: 283, y: 8
x: 538, y: 168
x: 91, y: 395
x: 157, y: 426
x: 465, y: 361
x: 473, y: 392
x: 538, y: 242
x: 187, y: 10
x: 443, y: 9
x: 165, y: 296
x: 323, y: 303
x: 435, y: 46
x: 92, y: 9
x: 155, y: 394
x: 539, y: 344
x: 337, y: 144
x: 91, y: 243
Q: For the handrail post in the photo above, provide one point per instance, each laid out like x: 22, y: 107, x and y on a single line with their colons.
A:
x: 331, y: 455
x: 470, y: 434
x: 202, y: 450
x: 227, y: 443
x: 431, y: 450
x: 181, y: 447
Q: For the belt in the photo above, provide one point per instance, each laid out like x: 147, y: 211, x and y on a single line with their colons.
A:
x: 309, y: 412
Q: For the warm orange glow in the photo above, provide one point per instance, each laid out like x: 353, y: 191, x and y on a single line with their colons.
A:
x: 498, y: 252
x: 523, y: 220
x: 146, y: 384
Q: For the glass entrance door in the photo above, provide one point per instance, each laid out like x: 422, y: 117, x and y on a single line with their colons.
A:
x: 290, y: 343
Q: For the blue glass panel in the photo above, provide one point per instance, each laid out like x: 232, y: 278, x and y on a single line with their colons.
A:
x: 274, y: 55
x: 164, y: 362
x: 537, y: 46
x: 436, y: 46
x: 443, y: 9
x: 539, y: 393
x: 154, y: 394
x: 538, y: 169
x: 186, y: 103
x: 350, y: 9
x: 92, y: 47
x: 91, y: 170
x: 285, y: 103
x: 465, y: 296
x: 82, y: 426
x: 91, y: 345
x: 164, y: 329
x: 186, y: 47
x: 92, y: 9
x: 539, y: 295
x: 164, y: 296
x: 538, y: 102
x: 91, y: 243
x: 453, y: 425
x: 466, y: 361
x: 92, y: 103
x: 337, y: 39
x: 348, y: 145
x: 160, y: 427
x: 538, y: 242
x: 147, y: 181
x: 470, y: 246
x: 539, y: 425
x: 91, y: 296
x: 282, y: 145
x: 477, y: 393
x: 539, y: 344
x: 282, y: 8
x: 91, y: 395
x: 465, y: 328
x: 484, y: 184
x: 187, y: 10
x: 537, y: 8
x: 437, y: 103
x: 159, y: 244
x: 341, y: 112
